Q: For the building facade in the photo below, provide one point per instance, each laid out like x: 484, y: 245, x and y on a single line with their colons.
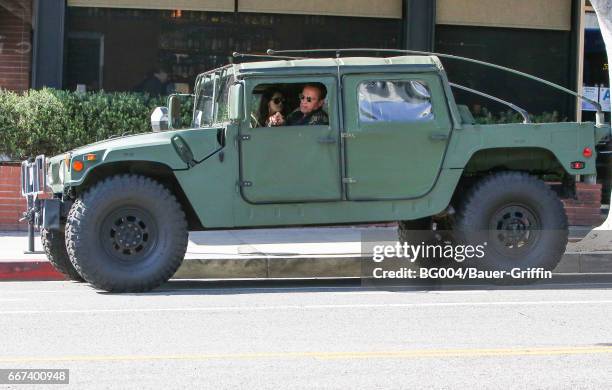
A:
x: 15, y: 44
x: 115, y: 45
x: 595, y: 65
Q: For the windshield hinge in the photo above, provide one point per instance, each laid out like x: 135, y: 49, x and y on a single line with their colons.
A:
x: 244, y: 137
x: 349, y: 180
x: 245, y: 184
x: 348, y: 135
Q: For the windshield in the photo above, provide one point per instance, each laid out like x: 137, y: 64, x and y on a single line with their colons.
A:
x: 212, y: 98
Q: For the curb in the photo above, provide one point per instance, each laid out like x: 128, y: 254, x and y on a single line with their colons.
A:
x: 29, y: 271
x: 585, y: 262
x: 285, y: 267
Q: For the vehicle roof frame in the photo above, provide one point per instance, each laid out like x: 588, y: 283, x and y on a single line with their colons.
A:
x: 599, y: 116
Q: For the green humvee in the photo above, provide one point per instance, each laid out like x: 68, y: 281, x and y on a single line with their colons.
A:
x: 396, y: 148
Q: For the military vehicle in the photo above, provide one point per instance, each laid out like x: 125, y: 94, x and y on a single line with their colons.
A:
x: 396, y: 148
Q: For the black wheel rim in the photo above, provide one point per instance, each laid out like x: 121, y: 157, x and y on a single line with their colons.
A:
x: 514, y: 230
x: 129, y: 234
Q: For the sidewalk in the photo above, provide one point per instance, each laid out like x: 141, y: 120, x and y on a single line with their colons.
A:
x: 277, y: 253
x: 221, y: 254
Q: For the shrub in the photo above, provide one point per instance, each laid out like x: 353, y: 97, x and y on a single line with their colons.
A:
x: 52, y: 121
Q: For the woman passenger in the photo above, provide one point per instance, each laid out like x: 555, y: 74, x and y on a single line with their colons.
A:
x: 272, y: 108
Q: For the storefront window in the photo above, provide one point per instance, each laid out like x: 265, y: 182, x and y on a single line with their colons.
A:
x: 596, y: 85
x: 131, y: 46
x: 543, y: 53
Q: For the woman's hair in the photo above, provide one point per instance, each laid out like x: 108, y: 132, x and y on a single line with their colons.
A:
x: 263, y: 111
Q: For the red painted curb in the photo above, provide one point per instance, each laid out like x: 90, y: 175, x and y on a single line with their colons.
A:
x: 29, y: 270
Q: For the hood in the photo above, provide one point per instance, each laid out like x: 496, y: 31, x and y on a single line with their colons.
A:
x: 153, y: 146
x: 125, y: 141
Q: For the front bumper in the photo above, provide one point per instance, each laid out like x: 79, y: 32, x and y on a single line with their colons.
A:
x: 42, y: 213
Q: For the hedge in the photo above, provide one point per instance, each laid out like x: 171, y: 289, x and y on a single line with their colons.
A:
x: 50, y: 121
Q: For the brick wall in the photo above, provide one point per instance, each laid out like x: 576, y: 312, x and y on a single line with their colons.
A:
x: 15, y: 44
x: 585, y: 210
x: 12, y: 204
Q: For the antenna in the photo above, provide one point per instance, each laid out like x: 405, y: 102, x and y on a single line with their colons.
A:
x: 247, y: 55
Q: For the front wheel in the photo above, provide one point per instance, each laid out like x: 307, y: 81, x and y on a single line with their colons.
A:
x: 54, y: 244
x: 518, y: 220
x: 127, y: 233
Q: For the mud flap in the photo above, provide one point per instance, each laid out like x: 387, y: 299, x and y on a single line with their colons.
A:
x: 51, y: 211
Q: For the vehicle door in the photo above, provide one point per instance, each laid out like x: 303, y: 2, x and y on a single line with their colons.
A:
x: 397, y: 131
x: 290, y: 163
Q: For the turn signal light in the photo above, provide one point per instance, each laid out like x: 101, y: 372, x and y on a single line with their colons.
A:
x: 77, y: 165
x: 577, y: 165
x: 587, y: 152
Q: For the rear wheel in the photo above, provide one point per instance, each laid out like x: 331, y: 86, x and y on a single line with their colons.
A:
x: 128, y: 233
x: 518, y: 218
x: 54, y: 244
x: 433, y: 241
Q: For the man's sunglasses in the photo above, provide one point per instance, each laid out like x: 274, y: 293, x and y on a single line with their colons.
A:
x: 278, y: 100
x: 309, y: 99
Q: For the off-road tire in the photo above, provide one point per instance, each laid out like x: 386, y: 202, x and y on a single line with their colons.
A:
x: 505, y: 205
x: 54, y: 244
x: 420, y: 231
x: 105, y: 220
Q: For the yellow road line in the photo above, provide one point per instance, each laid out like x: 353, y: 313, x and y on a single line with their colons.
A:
x: 423, y: 353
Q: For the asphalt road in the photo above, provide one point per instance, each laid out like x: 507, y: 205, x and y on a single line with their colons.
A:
x: 313, y: 334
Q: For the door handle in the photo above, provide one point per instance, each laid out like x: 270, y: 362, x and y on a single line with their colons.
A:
x: 326, y: 140
x: 438, y: 136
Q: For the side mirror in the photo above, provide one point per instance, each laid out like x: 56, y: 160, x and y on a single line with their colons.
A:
x: 236, y: 103
x: 174, y: 112
x: 159, y: 119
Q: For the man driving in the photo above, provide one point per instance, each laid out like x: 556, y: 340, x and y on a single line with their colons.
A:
x: 309, y: 112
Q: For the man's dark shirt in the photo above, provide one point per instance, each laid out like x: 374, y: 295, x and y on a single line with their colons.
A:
x: 317, y: 117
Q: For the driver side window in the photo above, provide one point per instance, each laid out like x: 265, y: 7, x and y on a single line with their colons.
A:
x: 289, y: 104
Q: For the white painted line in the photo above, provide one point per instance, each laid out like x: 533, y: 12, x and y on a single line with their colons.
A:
x: 310, y: 307
x: 451, y: 289
x: 37, y: 292
x: 476, y: 288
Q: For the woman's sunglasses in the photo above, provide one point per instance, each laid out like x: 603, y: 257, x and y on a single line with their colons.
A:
x: 278, y: 100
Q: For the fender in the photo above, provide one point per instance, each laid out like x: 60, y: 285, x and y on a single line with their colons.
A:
x: 565, y: 141
x: 149, y: 147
